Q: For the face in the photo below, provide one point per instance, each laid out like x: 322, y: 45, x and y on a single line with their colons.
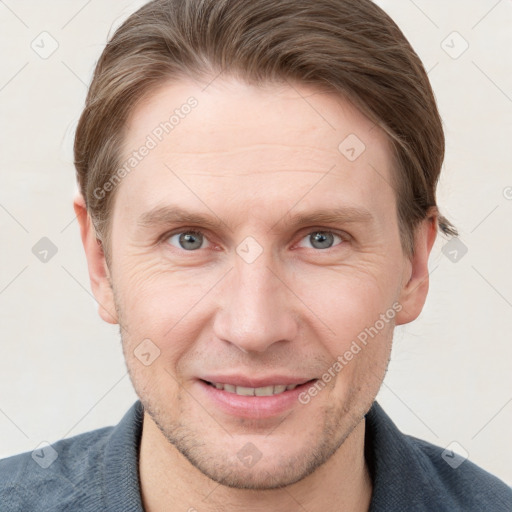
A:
x: 293, y: 276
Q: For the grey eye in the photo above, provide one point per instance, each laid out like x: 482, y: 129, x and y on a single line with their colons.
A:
x: 322, y: 239
x: 188, y: 240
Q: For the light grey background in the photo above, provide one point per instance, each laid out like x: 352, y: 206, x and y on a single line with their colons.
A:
x: 61, y: 368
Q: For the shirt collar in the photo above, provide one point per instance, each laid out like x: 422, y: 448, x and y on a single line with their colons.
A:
x: 402, y: 475
x: 121, y: 478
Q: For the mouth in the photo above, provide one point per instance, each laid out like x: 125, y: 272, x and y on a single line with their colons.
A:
x: 264, y: 402
x: 270, y: 390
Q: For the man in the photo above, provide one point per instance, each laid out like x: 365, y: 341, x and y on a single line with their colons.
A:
x: 257, y: 206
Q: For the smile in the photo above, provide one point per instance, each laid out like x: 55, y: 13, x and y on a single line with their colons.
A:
x: 253, y: 397
x: 247, y: 391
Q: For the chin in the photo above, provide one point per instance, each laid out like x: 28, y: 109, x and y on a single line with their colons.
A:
x: 258, y: 481
x: 274, y: 466
x: 264, y: 475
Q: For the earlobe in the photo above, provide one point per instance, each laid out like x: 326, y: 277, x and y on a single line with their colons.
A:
x: 98, y: 270
x: 416, y: 281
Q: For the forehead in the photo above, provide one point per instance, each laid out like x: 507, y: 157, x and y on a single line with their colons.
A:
x: 233, y: 140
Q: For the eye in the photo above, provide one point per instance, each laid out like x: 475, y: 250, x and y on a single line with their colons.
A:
x: 188, y: 240
x: 322, y: 239
x: 191, y: 240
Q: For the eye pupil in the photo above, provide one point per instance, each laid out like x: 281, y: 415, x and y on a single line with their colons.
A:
x: 324, y: 239
x: 192, y: 238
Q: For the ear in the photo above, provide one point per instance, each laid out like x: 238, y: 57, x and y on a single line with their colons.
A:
x: 416, y: 276
x: 99, y: 274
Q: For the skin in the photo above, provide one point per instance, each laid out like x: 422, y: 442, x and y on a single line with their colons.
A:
x: 252, y: 156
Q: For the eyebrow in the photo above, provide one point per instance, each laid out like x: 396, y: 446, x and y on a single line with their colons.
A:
x: 166, y: 215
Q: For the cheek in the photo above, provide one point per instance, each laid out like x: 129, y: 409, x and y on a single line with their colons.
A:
x: 161, y: 305
x: 153, y: 289
x: 356, y: 314
x: 348, y: 298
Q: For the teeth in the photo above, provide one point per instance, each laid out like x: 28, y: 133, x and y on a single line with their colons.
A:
x: 241, y: 390
x: 266, y: 391
x: 263, y: 391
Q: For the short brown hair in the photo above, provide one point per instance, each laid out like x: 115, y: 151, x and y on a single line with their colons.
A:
x: 351, y: 47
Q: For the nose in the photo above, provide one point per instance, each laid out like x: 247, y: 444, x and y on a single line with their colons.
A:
x: 257, y: 306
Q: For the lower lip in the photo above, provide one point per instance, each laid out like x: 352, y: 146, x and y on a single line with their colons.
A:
x: 253, y: 406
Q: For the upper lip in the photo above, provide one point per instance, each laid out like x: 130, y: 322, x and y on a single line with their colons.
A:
x: 255, y: 382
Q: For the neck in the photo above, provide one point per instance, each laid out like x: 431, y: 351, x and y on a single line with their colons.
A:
x: 170, y: 482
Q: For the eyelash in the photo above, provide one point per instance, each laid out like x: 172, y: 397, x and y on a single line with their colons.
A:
x: 345, y: 237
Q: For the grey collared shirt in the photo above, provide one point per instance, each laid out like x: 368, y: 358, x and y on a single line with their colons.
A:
x: 98, y: 471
